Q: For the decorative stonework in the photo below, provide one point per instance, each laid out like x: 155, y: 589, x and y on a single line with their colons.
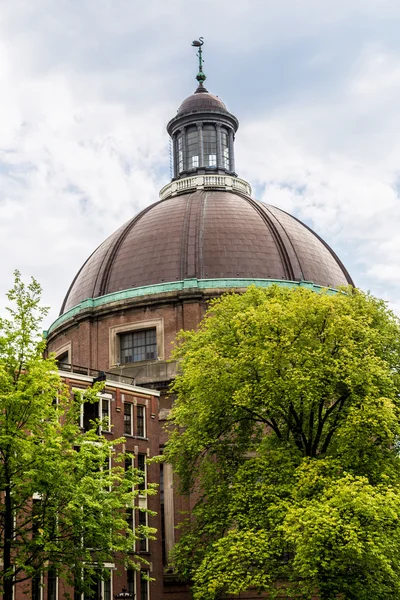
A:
x: 203, y: 182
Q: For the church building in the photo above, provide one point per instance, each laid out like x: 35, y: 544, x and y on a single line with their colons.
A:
x: 205, y: 235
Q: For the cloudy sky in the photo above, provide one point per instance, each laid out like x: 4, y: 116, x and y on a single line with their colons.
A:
x: 87, y: 87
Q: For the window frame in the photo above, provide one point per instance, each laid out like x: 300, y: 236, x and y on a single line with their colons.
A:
x: 143, y: 521
x: 142, y: 486
x: 130, y: 405
x: 110, y: 567
x: 142, y: 418
x: 139, y: 344
x: 115, y: 347
x: 103, y: 396
x: 37, y: 577
x: 146, y: 583
x: 48, y: 597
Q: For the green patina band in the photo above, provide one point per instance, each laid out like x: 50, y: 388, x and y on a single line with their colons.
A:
x: 175, y: 286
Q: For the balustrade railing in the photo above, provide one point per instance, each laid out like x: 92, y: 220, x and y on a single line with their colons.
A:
x: 201, y: 182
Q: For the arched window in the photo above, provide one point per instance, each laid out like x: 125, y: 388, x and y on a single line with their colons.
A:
x: 193, y: 148
x: 225, y: 149
x: 210, y: 146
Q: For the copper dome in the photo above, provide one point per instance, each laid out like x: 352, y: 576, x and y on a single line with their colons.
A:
x: 206, y: 235
x: 201, y: 101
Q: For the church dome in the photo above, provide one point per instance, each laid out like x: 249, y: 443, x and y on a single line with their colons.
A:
x: 206, y: 231
x: 206, y: 235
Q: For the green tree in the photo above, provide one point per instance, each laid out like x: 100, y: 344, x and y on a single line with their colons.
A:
x: 285, y: 427
x: 61, y: 505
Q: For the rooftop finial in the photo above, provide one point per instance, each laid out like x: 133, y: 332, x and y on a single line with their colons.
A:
x: 200, y: 75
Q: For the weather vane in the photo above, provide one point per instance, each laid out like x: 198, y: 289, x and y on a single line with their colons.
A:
x: 200, y: 75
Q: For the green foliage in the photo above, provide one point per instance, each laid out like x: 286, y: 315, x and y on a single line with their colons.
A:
x: 286, y: 429
x: 61, y: 505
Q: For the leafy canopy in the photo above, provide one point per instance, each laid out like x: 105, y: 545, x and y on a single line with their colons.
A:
x: 61, y: 504
x: 286, y: 427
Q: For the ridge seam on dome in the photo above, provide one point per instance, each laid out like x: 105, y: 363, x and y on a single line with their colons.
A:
x: 278, y: 240
x: 116, y: 247
x: 185, y: 236
x: 200, y: 266
x: 273, y: 217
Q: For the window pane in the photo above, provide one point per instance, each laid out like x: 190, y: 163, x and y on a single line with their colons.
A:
x: 36, y: 587
x: 210, y: 146
x: 144, y: 586
x: 143, y: 523
x: 107, y: 588
x: 180, y: 153
x: 225, y: 149
x: 105, y: 413
x: 128, y: 418
x: 138, y: 345
x: 131, y: 581
x: 193, y: 147
x: 142, y: 467
x: 140, y: 429
x: 52, y: 584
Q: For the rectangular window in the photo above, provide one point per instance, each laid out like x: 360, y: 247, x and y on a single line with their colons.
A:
x: 130, y: 519
x: 91, y: 412
x: 128, y: 420
x: 141, y: 465
x: 225, y: 149
x: 36, y: 587
x: 138, y: 345
x: 193, y: 147
x: 180, y: 153
x: 140, y: 421
x: 52, y: 584
x: 105, y: 413
x: 100, y: 589
x: 128, y: 461
x: 130, y: 574
x: 144, y: 586
x: 143, y: 542
x: 210, y: 146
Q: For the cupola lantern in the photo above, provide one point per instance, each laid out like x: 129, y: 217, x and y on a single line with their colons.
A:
x: 203, y: 132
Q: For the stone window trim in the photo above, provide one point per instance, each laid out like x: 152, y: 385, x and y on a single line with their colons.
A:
x: 114, y: 340
x: 66, y: 349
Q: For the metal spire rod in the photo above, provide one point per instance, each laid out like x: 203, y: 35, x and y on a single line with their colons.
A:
x: 200, y: 75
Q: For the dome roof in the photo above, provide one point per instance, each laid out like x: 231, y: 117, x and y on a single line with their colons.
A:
x: 206, y: 235
x: 201, y: 101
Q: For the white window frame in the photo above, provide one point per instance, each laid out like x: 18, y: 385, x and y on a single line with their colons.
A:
x: 102, y: 396
x: 134, y: 572
x: 105, y: 397
x: 110, y: 567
